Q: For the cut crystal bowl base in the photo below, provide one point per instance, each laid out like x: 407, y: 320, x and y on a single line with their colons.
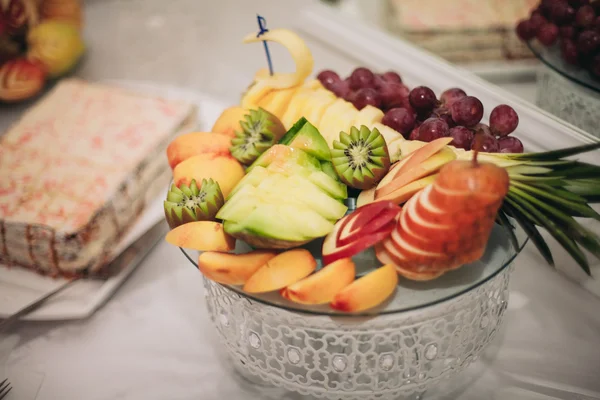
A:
x: 388, y: 356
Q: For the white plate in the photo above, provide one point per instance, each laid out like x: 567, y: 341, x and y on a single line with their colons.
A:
x: 19, y: 287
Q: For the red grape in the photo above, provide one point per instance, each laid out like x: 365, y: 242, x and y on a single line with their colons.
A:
x: 328, y: 77
x: 596, y: 6
x: 578, y: 3
x: 588, y: 42
x: 489, y: 143
x: 461, y: 137
x: 443, y: 113
x: 510, y: 144
x: 567, y: 32
x: 365, y: 97
x: 432, y: 129
x: 400, y: 119
x: 525, y: 30
x: 392, y: 94
x: 568, y: 51
x: 362, y: 78
x: 414, y: 135
x: 597, y: 24
x: 503, y: 120
x: 537, y: 20
x: 585, y: 16
x: 561, y: 13
x: 391, y: 76
x: 340, y: 88
x: 482, y: 128
x: 422, y: 98
x: 467, y: 111
x: 451, y: 95
x: 547, y: 34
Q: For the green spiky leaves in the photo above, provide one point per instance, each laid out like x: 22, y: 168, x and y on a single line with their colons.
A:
x: 360, y: 158
x: 260, y: 130
x: 192, y: 203
x: 549, y: 191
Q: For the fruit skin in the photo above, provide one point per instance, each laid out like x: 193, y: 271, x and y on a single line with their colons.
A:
x: 229, y: 121
x: 306, y: 137
x: 361, y: 158
x: 366, y: 220
x: 232, y: 269
x: 322, y: 286
x: 195, y: 143
x: 20, y: 79
x: 192, y: 203
x: 201, y: 236
x: 62, y: 10
x: 57, y: 45
x: 280, y: 271
x: 225, y: 170
x: 368, y: 291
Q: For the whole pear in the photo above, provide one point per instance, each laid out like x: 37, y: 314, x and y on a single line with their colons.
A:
x: 57, y: 45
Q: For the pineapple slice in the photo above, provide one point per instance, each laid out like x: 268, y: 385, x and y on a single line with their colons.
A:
x: 319, y: 101
x: 368, y: 116
x: 295, y: 109
x: 388, y: 133
x: 338, y: 117
x: 277, y: 101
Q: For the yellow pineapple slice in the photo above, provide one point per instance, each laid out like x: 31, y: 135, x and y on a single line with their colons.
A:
x: 277, y: 101
x: 368, y: 116
x: 297, y: 105
x: 338, y: 117
x: 319, y: 101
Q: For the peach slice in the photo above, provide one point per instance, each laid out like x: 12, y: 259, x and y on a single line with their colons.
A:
x: 201, y: 236
x: 229, y: 121
x: 368, y: 291
x: 225, y: 170
x: 232, y: 269
x: 192, y: 144
x: 322, y: 286
x: 282, y: 270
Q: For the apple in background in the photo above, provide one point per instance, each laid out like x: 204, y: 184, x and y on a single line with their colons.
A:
x: 368, y: 229
x: 57, y: 45
x: 20, y: 79
x: 16, y: 15
x: 62, y: 10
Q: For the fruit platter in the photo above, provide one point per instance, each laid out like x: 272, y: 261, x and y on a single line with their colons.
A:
x: 355, y: 235
x: 565, y: 37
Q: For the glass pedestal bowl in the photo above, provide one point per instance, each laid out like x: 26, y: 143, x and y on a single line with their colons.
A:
x: 567, y: 91
x: 426, y: 332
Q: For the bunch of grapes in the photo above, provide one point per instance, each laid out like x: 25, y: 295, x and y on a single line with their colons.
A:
x: 573, y: 25
x: 419, y: 115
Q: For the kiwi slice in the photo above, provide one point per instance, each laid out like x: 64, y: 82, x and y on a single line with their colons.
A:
x: 360, y: 158
x: 260, y: 130
x: 192, y: 203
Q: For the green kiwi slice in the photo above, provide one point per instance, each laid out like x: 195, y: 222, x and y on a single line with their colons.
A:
x: 260, y: 130
x: 192, y: 203
x: 360, y: 158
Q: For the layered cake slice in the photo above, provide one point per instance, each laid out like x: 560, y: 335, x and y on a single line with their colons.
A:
x: 77, y: 170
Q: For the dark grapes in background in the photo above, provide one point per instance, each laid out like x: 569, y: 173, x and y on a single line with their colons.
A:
x: 362, y: 78
x: 433, y: 128
x: 510, y: 144
x: 503, y: 120
x: 489, y: 143
x: 328, y: 77
x: 367, y: 97
x: 467, y: 111
x: 461, y: 137
x: 422, y: 99
x: 449, y: 96
x: 392, y: 77
x: 400, y: 120
x: 392, y: 94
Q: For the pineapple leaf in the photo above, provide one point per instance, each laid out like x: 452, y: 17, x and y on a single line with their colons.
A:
x: 588, y: 189
x: 576, y: 170
x: 548, y: 180
x: 525, y: 220
x: 565, y: 208
x: 556, y: 154
x: 569, y: 244
x: 528, y: 170
x: 505, y: 222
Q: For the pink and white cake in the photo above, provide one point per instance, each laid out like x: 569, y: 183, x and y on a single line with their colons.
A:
x: 77, y: 169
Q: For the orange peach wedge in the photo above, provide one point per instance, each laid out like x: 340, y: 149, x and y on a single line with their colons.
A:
x: 368, y: 291
x: 232, y: 269
x: 201, y: 236
x: 229, y: 121
x: 281, y: 271
x: 192, y: 144
x: 322, y: 286
x: 225, y: 170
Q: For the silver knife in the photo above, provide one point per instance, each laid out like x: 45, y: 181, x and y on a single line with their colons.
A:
x: 134, y: 254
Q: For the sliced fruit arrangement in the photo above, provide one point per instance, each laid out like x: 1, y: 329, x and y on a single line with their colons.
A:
x: 277, y: 191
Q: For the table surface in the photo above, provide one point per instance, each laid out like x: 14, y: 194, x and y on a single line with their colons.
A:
x: 154, y: 339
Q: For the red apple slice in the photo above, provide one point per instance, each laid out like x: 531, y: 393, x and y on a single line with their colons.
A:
x: 331, y: 252
x: 445, y: 198
x: 422, y: 154
x: 369, y: 219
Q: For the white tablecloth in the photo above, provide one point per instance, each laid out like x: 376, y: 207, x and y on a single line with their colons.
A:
x: 155, y: 341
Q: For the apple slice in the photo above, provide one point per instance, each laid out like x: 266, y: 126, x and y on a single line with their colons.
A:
x: 365, y: 197
x: 322, y: 286
x: 418, y: 276
x: 331, y: 252
x: 366, y: 219
x: 368, y: 291
x: 445, y: 198
x: 280, y: 271
x: 425, y: 152
x: 417, y: 171
x: 404, y: 193
x: 414, y: 255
